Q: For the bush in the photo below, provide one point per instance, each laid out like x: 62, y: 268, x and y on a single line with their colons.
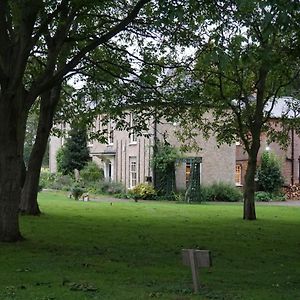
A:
x: 220, y: 192
x: 77, y: 191
x: 91, y: 173
x: 142, y: 191
x: 269, y: 174
x: 46, y: 179
x: 110, y: 188
x: 61, y: 182
x: 265, y: 196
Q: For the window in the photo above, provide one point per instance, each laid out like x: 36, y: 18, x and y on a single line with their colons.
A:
x: 187, y: 173
x: 238, y: 175
x: 110, y: 138
x: 64, y: 133
x: 132, y: 172
x: 91, y: 133
x: 132, y: 135
x: 109, y: 171
x: 110, y: 133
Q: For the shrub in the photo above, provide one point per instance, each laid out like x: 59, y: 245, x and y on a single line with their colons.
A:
x: 62, y: 182
x: 142, y: 191
x: 265, y: 196
x: 220, y: 192
x: 206, y: 194
x: 111, y: 188
x: 122, y: 196
x: 269, y: 174
x: 46, y: 179
x: 262, y: 196
x: 91, y: 173
x: 77, y: 191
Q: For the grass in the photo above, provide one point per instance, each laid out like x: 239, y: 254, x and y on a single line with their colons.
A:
x: 85, y: 250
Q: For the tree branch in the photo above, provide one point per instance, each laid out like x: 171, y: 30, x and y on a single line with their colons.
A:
x: 46, y: 83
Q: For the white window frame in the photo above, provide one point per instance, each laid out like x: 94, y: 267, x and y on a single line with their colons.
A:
x: 132, y: 134
x: 110, y: 134
x: 132, y: 172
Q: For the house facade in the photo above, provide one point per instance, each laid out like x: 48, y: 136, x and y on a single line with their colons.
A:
x: 289, y: 159
x: 126, y: 157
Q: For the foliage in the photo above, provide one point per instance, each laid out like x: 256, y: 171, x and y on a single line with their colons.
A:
x: 111, y: 187
x: 122, y: 196
x: 243, y: 67
x: 59, y: 158
x: 56, y: 181
x: 49, y: 42
x: 82, y: 238
x: 163, y: 162
x: 77, y: 190
x: 263, y: 196
x: 62, y: 182
x: 91, y: 173
x: 31, y: 130
x: 266, y: 196
x: 142, y: 191
x: 74, y: 154
x: 269, y: 173
x: 165, y: 155
x: 220, y: 192
x: 46, y: 178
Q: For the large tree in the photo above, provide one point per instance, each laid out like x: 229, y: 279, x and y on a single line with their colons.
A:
x: 44, y: 42
x: 53, y: 37
x: 113, y: 74
x: 249, y: 59
x: 47, y: 107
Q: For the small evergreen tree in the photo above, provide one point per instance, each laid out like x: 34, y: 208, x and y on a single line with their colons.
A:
x: 269, y: 174
x: 74, y: 154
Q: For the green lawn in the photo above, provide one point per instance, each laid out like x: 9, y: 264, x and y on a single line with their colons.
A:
x: 80, y: 250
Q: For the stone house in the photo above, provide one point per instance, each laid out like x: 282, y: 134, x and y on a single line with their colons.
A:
x: 126, y: 157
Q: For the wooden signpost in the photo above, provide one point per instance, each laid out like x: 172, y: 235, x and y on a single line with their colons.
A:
x: 196, y: 259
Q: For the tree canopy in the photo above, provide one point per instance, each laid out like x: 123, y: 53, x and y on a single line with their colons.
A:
x: 247, y: 59
x: 43, y: 43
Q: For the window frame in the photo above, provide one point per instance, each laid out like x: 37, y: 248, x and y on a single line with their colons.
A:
x: 133, y: 174
x: 238, y: 175
x: 132, y: 134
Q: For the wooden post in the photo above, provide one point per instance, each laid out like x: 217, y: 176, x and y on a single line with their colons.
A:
x: 196, y: 259
x: 195, y: 274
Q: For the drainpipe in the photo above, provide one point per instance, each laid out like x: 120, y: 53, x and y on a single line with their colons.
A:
x: 299, y: 169
x: 154, y: 150
x: 293, y: 156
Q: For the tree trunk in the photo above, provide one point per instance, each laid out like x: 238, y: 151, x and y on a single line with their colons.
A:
x: 12, y: 131
x: 29, y: 204
x: 249, y: 203
x: 249, y: 190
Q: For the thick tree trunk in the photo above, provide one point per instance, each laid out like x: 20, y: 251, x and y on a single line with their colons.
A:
x: 29, y: 204
x: 12, y: 131
x: 9, y: 196
x: 249, y: 190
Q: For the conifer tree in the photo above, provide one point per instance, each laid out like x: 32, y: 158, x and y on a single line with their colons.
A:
x: 75, y: 153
